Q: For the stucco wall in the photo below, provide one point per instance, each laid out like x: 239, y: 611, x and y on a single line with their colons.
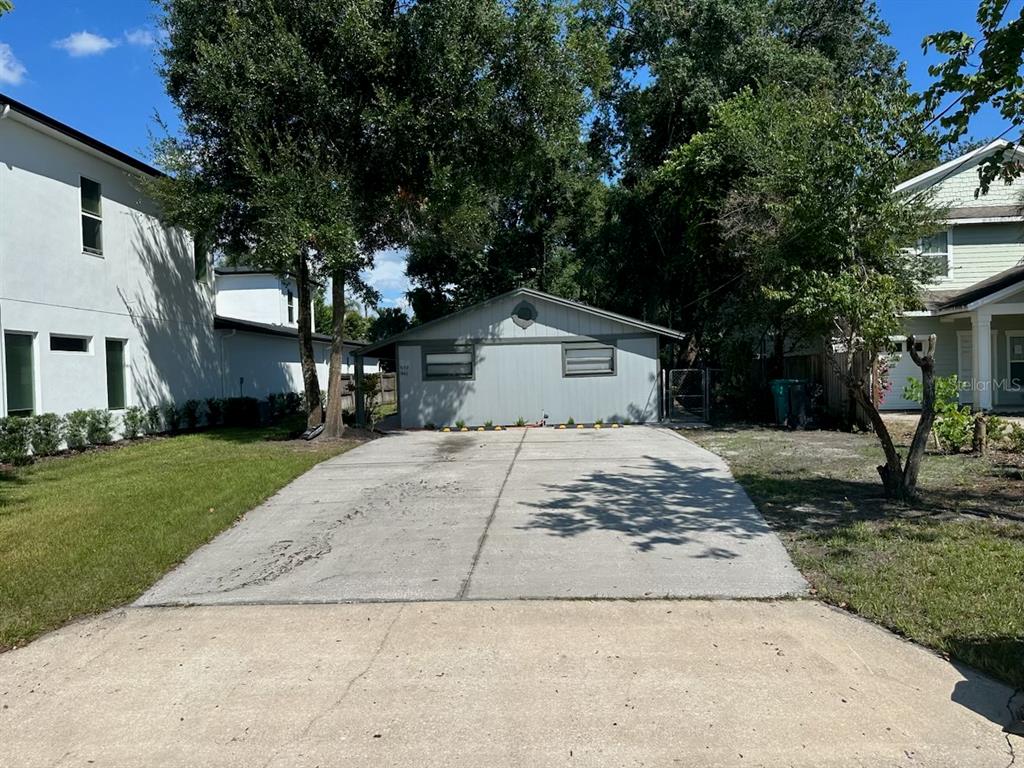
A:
x: 262, y: 298
x: 142, y: 289
x: 513, y: 380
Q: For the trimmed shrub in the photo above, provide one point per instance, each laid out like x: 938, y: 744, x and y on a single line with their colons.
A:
x: 242, y: 412
x: 191, y: 414
x: 76, y: 430
x: 172, y: 417
x: 133, y: 422
x: 214, y: 411
x: 154, y: 421
x: 46, y: 434
x: 275, y: 405
x: 99, y: 429
x: 293, y: 402
x: 15, y: 440
x: 1015, y: 438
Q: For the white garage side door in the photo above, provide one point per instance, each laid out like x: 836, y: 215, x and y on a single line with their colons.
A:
x: 901, y: 368
x: 965, y: 365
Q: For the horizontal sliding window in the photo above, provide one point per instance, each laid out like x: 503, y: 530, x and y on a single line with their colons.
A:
x: 448, y: 363
x: 68, y: 343
x: 588, y: 359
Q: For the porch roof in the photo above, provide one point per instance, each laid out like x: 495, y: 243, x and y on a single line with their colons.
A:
x: 941, y: 301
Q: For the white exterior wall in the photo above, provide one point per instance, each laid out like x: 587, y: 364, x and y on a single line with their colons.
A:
x: 262, y: 298
x: 142, y: 289
x: 259, y: 364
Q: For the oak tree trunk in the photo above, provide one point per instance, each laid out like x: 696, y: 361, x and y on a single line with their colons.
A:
x: 926, y: 363
x: 334, y: 426
x: 314, y: 408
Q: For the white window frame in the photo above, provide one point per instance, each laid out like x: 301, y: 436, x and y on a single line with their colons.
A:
x: 589, y: 345
x: 450, y: 349
x: 949, y: 254
x: 37, y: 392
x: 1009, y: 354
x: 87, y: 339
x: 84, y: 213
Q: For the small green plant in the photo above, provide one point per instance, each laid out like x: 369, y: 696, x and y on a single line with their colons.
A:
x: 214, y: 411
x: 460, y: 424
x: 430, y: 425
x: 627, y: 421
x: 1015, y: 438
x: 190, y: 412
x: 488, y: 424
x: 520, y: 422
x: 570, y: 421
x: 154, y: 421
x: 598, y: 422
x: 133, y: 422
x: 99, y: 428
x: 46, y: 434
x: 76, y: 430
x: 15, y: 440
x: 370, y: 387
x: 997, y: 428
x: 172, y: 417
x: 954, y: 424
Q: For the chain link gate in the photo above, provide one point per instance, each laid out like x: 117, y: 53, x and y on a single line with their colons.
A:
x: 686, y: 395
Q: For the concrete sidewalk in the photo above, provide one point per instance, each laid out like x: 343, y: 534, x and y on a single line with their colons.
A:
x: 515, y: 683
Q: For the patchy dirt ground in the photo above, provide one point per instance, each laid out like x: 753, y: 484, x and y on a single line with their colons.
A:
x: 948, y: 572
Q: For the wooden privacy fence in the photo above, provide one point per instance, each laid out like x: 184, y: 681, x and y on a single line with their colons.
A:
x: 388, y: 390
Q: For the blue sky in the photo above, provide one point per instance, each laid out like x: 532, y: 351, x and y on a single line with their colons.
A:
x: 93, y: 65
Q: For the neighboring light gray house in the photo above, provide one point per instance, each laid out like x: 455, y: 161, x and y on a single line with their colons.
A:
x: 526, y: 354
x: 975, y: 305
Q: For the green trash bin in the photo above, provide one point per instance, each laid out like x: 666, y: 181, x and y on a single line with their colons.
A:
x: 790, y: 399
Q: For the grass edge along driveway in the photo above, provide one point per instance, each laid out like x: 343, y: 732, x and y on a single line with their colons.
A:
x: 86, y: 533
x: 951, y: 581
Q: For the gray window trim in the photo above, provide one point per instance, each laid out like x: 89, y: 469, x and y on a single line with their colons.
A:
x: 590, y: 345
x: 435, y: 349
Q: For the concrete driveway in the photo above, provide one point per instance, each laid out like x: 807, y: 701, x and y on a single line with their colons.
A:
x: 636, y: 512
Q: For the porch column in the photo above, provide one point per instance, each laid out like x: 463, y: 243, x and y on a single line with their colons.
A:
x: 982, y: 337
x: 360, y: 402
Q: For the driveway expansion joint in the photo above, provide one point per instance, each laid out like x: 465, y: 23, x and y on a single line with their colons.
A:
x: 464, y: 589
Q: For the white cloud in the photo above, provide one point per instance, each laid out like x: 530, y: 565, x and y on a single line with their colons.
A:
x: 142, y: 37
x: 388, y: 273
x: 12, y: 71
x: 85, y: 44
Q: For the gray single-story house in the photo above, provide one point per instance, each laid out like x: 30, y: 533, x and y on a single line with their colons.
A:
x: 526, y: 355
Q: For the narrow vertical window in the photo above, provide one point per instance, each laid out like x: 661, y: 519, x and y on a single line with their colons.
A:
x: 18, y: 364
x: 115, y: 375
x: 199, y: 259
x: 291, y: 307
x: 92, y: 216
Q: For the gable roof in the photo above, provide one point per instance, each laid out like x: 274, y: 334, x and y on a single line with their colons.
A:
x: 941, y: 172
x: 535, y: 294
x: 50, y: 124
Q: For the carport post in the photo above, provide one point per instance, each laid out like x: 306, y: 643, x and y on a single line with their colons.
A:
x: 360, y: 403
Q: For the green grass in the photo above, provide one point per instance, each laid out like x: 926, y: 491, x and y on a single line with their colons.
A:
x: 951, y: 581
x: 86, y: 533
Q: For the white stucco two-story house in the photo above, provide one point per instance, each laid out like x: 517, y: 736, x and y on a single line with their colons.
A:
x: 975, y: 305
x: 100, y: 305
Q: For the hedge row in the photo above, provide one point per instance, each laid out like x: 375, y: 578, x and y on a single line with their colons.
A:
x: 24, y: 438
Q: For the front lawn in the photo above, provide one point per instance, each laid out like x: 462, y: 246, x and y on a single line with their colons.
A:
x: 949, y: 574
x: 86, y: 533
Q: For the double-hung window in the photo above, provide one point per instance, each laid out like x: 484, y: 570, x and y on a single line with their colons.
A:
x: 588, y: 358
x: 291, y: 307
x: 455, y: 362
x: 935, y: 251
x: 92, y: 216
x: 19, y: 369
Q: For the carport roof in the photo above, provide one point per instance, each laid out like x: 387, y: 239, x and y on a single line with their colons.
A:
x: 532, y: 293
